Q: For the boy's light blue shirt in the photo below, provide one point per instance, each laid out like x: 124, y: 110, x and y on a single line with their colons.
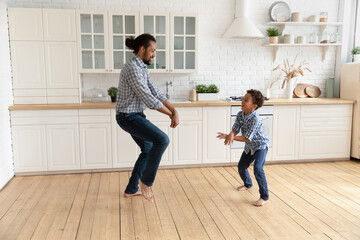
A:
x: 251, y: 127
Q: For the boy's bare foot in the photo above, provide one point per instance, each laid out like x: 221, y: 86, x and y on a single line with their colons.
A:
x: 127, y: 195
x: 242, y: 188
x: 260, y: 202
x: 146, y: 191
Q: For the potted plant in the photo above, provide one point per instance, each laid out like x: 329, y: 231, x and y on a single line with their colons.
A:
x: 207, y: 92
x: 112, y: 93
x: 356, y: 52
x: 273, y: 34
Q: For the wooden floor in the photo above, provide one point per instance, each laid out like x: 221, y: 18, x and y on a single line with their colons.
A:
x: 307, y: 201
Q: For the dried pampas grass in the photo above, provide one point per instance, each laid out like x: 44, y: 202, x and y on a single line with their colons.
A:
x: 290, y: 71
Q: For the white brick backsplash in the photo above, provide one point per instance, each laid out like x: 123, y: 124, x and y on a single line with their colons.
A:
x: 233, y: 64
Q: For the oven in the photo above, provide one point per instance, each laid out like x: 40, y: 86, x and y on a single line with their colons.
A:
x: 266, y: 115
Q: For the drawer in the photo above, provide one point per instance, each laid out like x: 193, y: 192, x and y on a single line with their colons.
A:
x: 332, y: 110
x: 94, y: 112
x: 325, y: 124
x: 185, y: 113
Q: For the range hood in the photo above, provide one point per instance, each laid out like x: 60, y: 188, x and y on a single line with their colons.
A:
x: 242, y: 26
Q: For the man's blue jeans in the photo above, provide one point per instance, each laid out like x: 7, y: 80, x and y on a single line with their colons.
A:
x: 245, y: 161
x: 152, y: 142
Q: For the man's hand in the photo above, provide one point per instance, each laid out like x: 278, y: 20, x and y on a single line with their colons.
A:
x: 174, y: 119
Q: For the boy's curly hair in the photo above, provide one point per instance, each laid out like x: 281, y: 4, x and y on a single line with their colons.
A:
x: 257, y: 97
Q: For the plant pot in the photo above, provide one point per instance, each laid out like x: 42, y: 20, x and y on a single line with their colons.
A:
x: 274, y: 40
x: 207, y: 96
x: 113, y: 99
x: 357, y: 58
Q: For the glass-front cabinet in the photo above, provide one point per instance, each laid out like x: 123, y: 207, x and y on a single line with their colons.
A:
x: 122, y: 26
x: 158, y: 26
x: 93, y: 38
x: 183, y: 43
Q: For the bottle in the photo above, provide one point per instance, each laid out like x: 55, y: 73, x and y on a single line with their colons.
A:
x: 192, y: 95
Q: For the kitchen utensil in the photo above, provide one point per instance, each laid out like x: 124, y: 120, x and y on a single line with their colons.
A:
x: 279, y: 12
x: 313, y: 91
x: 299, y: 90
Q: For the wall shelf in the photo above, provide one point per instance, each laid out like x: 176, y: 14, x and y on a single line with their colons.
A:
x: 325, y: 47
x: 322, y: 25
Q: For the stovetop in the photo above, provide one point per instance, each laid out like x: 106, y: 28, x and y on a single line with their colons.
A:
x: 239, y: 98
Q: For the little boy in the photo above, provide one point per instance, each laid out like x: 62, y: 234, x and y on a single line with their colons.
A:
x: 256, y: 143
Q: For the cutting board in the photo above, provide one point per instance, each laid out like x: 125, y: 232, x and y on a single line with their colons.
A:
x: 299, y: 90
x: 313, y: 91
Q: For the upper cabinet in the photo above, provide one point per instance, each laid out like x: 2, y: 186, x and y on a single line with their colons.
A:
x: 25, y: 24
x: 59, y: 25
x: 93, y: 41
x: 122, y: 26
x: 183, y: 43
x: 158, y: 26
x: 102, y: 37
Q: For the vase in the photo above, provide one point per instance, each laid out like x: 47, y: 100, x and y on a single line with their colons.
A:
x: 267, y: 93
x: 290, y: 88
x: 357, y: 58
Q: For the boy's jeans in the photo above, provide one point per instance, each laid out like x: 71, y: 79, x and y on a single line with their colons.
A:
x: 152, y: 142
x: 245, y: 161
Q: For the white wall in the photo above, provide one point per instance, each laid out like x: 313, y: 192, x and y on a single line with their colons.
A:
x: 6, y: 160
x: 234, y: 65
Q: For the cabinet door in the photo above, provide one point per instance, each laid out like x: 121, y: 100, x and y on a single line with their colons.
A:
x: 29, y: 143
x: 167, y: 158
x: 188, y: 143
x: 93, y: 37
x: 61, y: 65
x: 322, y: 145
x: 59, y: 25
x: 95, y: 145
x: 286, y: 132
x: 63, y: 146
x: 122, y: 26
x: 184, y: 43
x: 215, y: 119
x: 28, y: 64
x: 158, y: 26
x: 125, y: 150
x: 25, y: 24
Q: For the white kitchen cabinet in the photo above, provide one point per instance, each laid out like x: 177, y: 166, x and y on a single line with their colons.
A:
x: 325, y: 131
x: 93, y: 41
x: 63, y: 146
x: 95, y: 138
x: 167, y: 158
x: 215, y: 119
x: 45, y: 70
x: 28, y: 61
x: 157, y: 24
x: 121, y: 26
x: 59, y: 24
x: 125, y: 150
x: 286, y: 132
x: 25, y: 24
x: 184, y: 31
x: 45, y: 140
x: 29, y: 146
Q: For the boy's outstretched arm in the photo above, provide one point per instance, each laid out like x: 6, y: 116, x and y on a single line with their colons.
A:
x: 229, y: 138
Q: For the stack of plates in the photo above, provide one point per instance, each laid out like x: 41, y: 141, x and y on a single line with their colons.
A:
x: 303, y: 90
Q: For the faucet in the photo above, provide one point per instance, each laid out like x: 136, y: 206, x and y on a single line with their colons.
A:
x: 167, y: 89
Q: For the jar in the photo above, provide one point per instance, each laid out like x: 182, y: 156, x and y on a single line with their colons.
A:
x: 313, y: 38
x: 323, y: 17
x: 192, y: 95
x: 296, y: 17
x: 325, y: 38
x: 335, y: 38
x: 301, y: 39
x: 288, y: 38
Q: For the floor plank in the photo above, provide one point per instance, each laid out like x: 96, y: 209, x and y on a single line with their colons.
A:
x: 307, y: 201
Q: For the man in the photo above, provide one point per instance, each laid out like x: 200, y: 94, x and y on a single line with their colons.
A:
x: 135, y: 93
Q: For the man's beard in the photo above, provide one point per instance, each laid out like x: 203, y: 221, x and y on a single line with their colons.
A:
x: 147, y: 62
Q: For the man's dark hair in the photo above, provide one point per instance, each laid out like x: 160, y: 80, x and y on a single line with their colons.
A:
x: 257, y: 97
x: 141, y: 40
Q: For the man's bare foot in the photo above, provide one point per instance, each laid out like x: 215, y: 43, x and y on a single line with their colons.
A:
x: 242, y: 188
x: 127, y: 195
x: 146, y: 191
x: 260, y: 202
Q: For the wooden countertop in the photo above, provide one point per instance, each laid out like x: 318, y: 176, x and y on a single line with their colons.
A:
x: 97, y: 105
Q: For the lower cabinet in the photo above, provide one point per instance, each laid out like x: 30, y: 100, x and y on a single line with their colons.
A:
x: 45, y: 140
x: 95, y: 138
